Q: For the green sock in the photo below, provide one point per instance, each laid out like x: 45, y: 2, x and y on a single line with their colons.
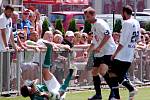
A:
x: 48, y: 58
x: 67, y: 80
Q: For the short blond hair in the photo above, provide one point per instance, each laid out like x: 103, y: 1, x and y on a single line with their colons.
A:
x: 89, y: 10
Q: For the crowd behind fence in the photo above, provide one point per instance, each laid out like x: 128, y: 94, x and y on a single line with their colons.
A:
x: 18, y: 67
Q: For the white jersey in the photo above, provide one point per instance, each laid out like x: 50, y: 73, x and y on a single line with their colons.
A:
x: 5, y: 23
x: 100, y: 28
x: 128, y: 38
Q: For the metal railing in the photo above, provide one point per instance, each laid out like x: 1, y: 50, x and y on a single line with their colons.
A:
x: 59, y: 64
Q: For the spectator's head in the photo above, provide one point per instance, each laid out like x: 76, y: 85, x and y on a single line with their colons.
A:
x: 126, y: 12
x: 38, y: 15
x: 57, y: 32
x: 25, y: 14
x: 69, y: 36
x: 143, y: 31
x: 15, y: 17
x: 84, y: 38
x: 25, y: 91
x: 142, y: 38
x: 34, y: 36
x: 31, y: 28
x: 48, y: 36
x: 58, y: 38
x: 147, y: 39
x: 90, y: 37
x: 89, y: 14
x: 21, y: 35
x: 8, y: 11
x: 116, y: 37
x: 77, y: 38
x: 32, y: 16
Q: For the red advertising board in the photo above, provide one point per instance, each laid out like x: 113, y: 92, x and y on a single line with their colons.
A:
x: 42, y: 1
x: 76, y: 2
x: 71, y: 2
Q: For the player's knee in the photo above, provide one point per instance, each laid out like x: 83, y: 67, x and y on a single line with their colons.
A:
x: 103, y: 69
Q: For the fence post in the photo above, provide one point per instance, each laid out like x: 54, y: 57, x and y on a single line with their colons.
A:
x: 40, y: 65
x: 1, y: 72
x: 141, y: 65
x: 8, y: 70
x: 18, y: 72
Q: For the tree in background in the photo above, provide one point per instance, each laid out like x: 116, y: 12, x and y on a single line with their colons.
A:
x: 72, y: 26
x: 87, y: 27
x: 118, y: 26
x: 59, y: 26
x: 45, y: 27
x: 147, y: 26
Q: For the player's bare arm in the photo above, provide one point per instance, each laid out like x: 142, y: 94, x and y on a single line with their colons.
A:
x: 103, y: 42
x: 117, y: 51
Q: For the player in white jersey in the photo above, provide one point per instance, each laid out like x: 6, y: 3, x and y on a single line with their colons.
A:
x: 124, y: 54
x: 103, y: 47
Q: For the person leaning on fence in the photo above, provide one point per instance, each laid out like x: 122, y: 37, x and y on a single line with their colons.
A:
x: 52, y: 90
x: 6, y: 29
x: 124, y: 55
x: 103, y: 47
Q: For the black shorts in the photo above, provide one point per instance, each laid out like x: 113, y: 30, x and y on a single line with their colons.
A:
x: 106, y: 59
x: 120, y: 67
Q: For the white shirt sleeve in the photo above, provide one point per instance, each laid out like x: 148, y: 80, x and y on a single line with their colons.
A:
x: 105, y: 29
x: 124, y: 34
x: 2, y: 23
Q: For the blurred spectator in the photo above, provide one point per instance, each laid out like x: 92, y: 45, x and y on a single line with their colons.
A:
x: 116, y: 37
x: 57, y: 32
x: 5, y: 29
x: 58, y: 39
x: 68, y: 39
x: 21, y: 36
x: 25, y: 22
x: 48, y: 36
x: 34, y: 23
x: 143, y: 31
x: 84, y: 37
x: 39, y: 22
x: 142, y: 43
x: 90, y: 37
x: 147, y: 40
x: 32, y: 42
x: 15, y: 18
x: 77, y: 38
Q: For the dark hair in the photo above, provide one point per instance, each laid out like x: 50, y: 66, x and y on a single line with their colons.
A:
x: 9, y: 7
x: 128, y: 9
x: 24, y: 91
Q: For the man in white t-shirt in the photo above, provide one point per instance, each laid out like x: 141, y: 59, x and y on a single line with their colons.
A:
x: 103, y: 47
x: 6, y: 29
x: 124, y: 54
x: 6, y: 35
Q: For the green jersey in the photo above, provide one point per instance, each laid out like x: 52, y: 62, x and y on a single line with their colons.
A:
x: 37, y: 96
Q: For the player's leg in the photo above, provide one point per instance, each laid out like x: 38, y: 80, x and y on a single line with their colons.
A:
x: 114, y: 87
x: 96, y: 80
x: 112, y: 82
x: 66, y: 82
x: 122, y: 77
x: 49, y: 79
